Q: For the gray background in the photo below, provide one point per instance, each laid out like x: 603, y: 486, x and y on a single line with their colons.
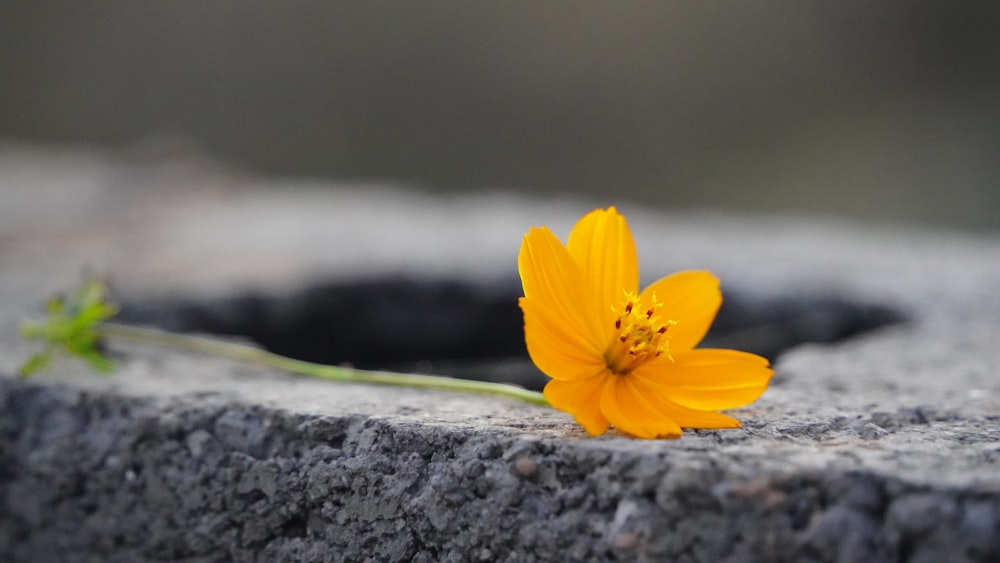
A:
x: 882, y: 110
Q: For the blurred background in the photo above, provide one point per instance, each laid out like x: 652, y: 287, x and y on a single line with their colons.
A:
x: 875, y: 110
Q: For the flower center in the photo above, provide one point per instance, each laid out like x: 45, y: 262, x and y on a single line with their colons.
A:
x: 640, y: 335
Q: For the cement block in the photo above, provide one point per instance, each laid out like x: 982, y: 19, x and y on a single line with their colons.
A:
x: 880, y: 447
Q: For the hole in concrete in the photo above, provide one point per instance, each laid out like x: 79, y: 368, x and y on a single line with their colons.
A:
x: 474, y: 331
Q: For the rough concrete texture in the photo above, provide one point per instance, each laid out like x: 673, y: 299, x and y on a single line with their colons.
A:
x: 881, y: 447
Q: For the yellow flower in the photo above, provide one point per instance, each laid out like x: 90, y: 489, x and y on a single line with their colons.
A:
x: 623, y: 357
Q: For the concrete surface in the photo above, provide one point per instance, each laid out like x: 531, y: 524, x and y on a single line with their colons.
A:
x: 881, y: 447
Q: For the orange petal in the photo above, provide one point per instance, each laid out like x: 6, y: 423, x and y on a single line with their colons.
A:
x: 551, y: 277
x: 708, y: 379
x: 555, y: 346
x: 716, y: 356
x: 623, y: 405
x: 581, y: 398
x: 602, y: 245
x: 684, y: 417
x: 691, y: 298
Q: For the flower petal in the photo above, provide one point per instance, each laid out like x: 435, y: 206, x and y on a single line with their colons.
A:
x: 623, y: 405
x: 581, y: 398
x: 691, y: 298
x: 550, y: 276
x: 602, y: 245
x: 708, y: 379
x: 556, y: 347
x: 683, y: 416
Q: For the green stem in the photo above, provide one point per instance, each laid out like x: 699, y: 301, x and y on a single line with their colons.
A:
x: 249, y: 353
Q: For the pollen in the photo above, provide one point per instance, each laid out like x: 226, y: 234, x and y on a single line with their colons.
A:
x: 641, y: 334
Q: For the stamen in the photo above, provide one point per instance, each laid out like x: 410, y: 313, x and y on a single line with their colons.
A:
x: 640, y: 335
